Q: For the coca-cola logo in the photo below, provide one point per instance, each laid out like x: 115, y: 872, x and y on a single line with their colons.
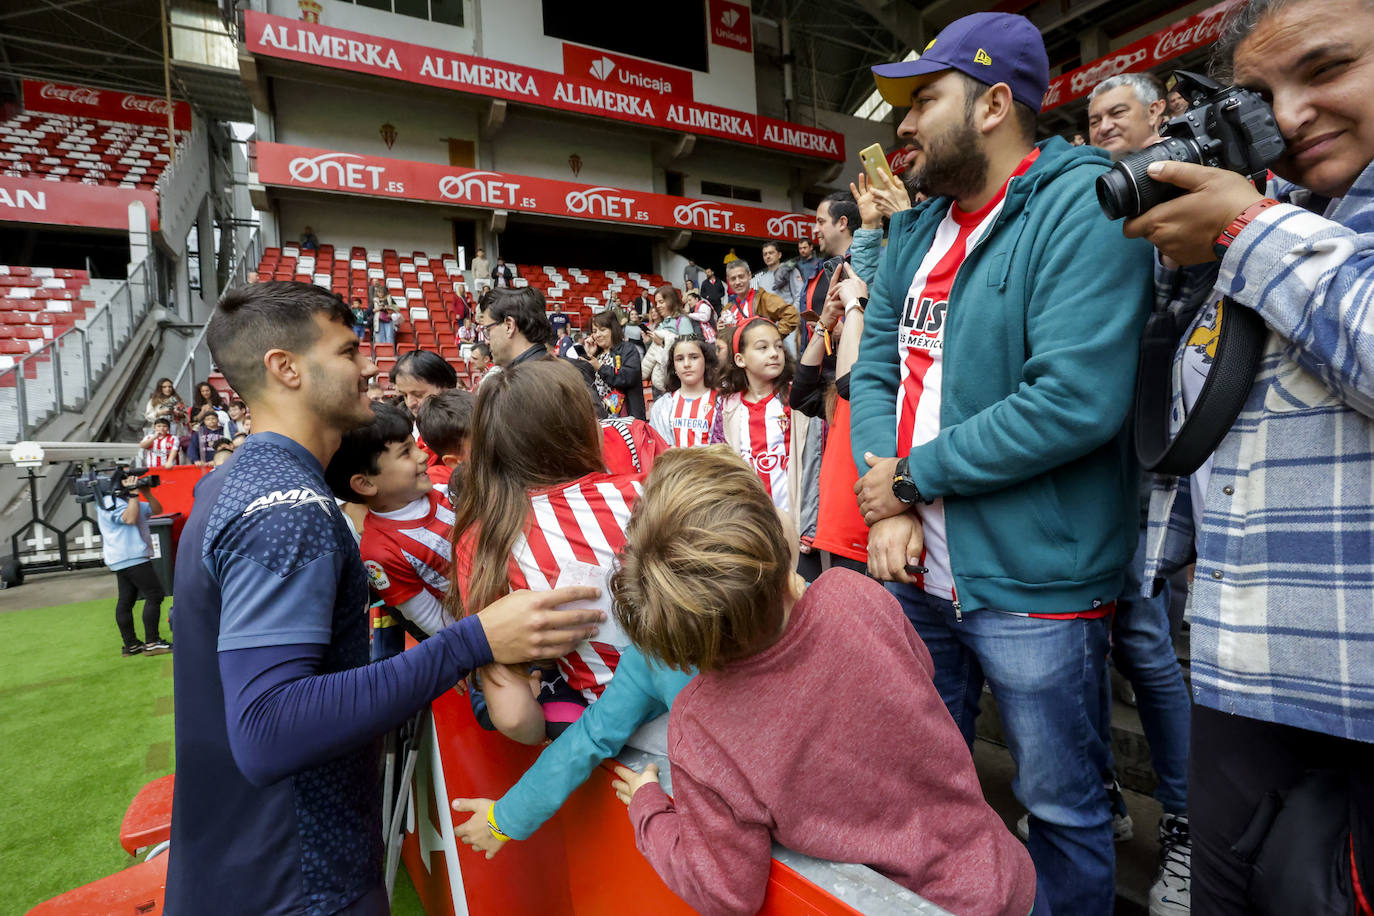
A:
x: 792, y: 226
x: 479, y: 188
x: 1175, y: 42
x: 610, y: 203
x: 705, y: 214
x: 144, y: 103
x: 77, y: 95
x: 1109, y: 67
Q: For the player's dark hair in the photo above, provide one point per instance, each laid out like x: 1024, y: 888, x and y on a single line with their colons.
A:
x: 253, y: 319
x: 445, y: 420
x: 359, y: 449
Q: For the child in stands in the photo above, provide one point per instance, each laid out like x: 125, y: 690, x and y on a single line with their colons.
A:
x: 204, y: 439
x: 686, y: 411
x: 405, y: 544
x: 877, y: 774
x: 444, y: 421
x: 537, y: 509
x: 163, y: 449
x: 755, y: 419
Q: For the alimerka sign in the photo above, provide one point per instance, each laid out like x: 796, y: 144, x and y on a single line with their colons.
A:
x: 285, y: 166
x: 1145, y: 54
x: 103, y: 104
x: 306, y: 42
x: 70, y: 203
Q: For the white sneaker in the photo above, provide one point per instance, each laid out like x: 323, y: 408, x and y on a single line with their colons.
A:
x: 1123, y: 828
x: 1171, y: 894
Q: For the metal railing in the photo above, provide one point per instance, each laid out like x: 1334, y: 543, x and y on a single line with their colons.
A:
x: 63, y: 373
x: 198, y: 363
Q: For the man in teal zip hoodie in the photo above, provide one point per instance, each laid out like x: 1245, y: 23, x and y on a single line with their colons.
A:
x: 988, y: 405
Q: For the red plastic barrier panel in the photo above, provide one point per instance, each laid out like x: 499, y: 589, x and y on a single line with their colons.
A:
x: 175, y: 491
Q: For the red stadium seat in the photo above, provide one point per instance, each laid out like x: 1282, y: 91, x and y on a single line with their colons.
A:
x: 148, y: 820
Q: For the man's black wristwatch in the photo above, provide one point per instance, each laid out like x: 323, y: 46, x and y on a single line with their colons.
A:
x: 903, y: 487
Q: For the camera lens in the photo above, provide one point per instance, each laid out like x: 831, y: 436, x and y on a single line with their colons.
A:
x: 1128, y: 191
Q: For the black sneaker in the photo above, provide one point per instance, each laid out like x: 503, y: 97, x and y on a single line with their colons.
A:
x: 136, y: 649
x: 157, y: 647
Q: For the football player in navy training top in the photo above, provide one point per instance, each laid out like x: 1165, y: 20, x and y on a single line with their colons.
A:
x: 277, y: 806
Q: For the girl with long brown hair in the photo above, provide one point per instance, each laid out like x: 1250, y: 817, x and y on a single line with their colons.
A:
x: 538, y: 509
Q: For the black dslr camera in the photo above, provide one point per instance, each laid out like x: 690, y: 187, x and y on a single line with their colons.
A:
x: 1225, y: 127
x: 104, y: 485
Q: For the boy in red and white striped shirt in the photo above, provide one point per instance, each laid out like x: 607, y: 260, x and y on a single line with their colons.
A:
x: 162, y: 447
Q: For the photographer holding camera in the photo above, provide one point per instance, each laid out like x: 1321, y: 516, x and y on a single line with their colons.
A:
x: 128, y: 547
x: 1281, y: 781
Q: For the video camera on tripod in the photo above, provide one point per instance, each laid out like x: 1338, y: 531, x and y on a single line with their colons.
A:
x: 106, y: 484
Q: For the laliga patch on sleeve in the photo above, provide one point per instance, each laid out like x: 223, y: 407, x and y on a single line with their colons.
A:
x: 376, y: 575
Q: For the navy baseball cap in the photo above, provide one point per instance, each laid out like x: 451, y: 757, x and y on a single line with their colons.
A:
x: 990, y: 47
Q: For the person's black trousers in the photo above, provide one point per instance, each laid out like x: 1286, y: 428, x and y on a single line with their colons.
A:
x: 1238, y: 767
x: 133, y: 580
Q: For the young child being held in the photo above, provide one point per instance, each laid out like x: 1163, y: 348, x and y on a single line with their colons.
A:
x: 685, y: 413
x: 877, y: 774
x: 755, y: 419
x: 444, y: 421
x: 405, y: 544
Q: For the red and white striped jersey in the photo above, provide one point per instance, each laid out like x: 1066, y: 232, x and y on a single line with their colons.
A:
x: 767, y: 444
x: 737, y: 310
x: 160, y: 451
x: 685, y: 422
x: 404, y: 556
x: 581, y: 523
x: 920, y: 345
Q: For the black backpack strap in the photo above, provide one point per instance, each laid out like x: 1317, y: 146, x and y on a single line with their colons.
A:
x: 1239, y: 350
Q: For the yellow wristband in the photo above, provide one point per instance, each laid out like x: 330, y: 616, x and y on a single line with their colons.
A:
x: 491, y: 825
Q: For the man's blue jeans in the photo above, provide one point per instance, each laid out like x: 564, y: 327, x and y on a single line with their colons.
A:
x: 1143, y: 650
x: 1047, y: 677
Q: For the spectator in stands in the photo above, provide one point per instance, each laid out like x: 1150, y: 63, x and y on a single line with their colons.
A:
x: 1281, y: 664
x: 165, y: 402
x: 459, y: 303
x: 377, y: 294
x: 837, y: 217
x: 516, y: 325
x: 686, y: 411
x: 559, y: 321
x: 784, y: 280
x: 405, y: 545
x: 308, y: 240
x: 565, y: 342
x: 204, y: 438
x: 360, y: 318
x: 712, y: 289
x: 127, y: 545
x: 481, y: 365
x: 375, y: 392
x: 672, y: 323
x: 1177, y: 104
x: 239, y: 439
x: 642, y: 305
x: 767, y: 648
x: 237, y: 416
x: 481, y: 267
x: 693, y: 276
x: 163, y: 450
x: 384, y: 325
x: 807, y: 262
x: 1078, y: 139
x: 746, y: 302
x: 223, y: 452
x: 1124, y: 112
x: 959, y: 463
x: 617, y: 364
x: 252, y: 276
x: 503, y: 275
x: 445, y: 421
x: 468, y: 332
x: 207, y: 400
x: 278, y: 713
x: 700, y: 311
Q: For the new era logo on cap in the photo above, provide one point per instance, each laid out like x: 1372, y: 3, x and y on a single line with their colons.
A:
x: 603, y: 68
x: 982, y: 58
x: 729, y: 18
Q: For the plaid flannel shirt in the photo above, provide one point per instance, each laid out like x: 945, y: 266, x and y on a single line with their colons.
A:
x: 1282, y: 602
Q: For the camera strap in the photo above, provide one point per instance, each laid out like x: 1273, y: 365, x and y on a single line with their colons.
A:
x: 1239, y: 349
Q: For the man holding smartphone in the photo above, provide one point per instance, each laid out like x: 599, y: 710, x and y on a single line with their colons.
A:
x: 987, y: 407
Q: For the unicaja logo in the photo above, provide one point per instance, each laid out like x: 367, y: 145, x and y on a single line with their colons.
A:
x: 729, y: 18
x: 307, y: 170
x: 603, y: 68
